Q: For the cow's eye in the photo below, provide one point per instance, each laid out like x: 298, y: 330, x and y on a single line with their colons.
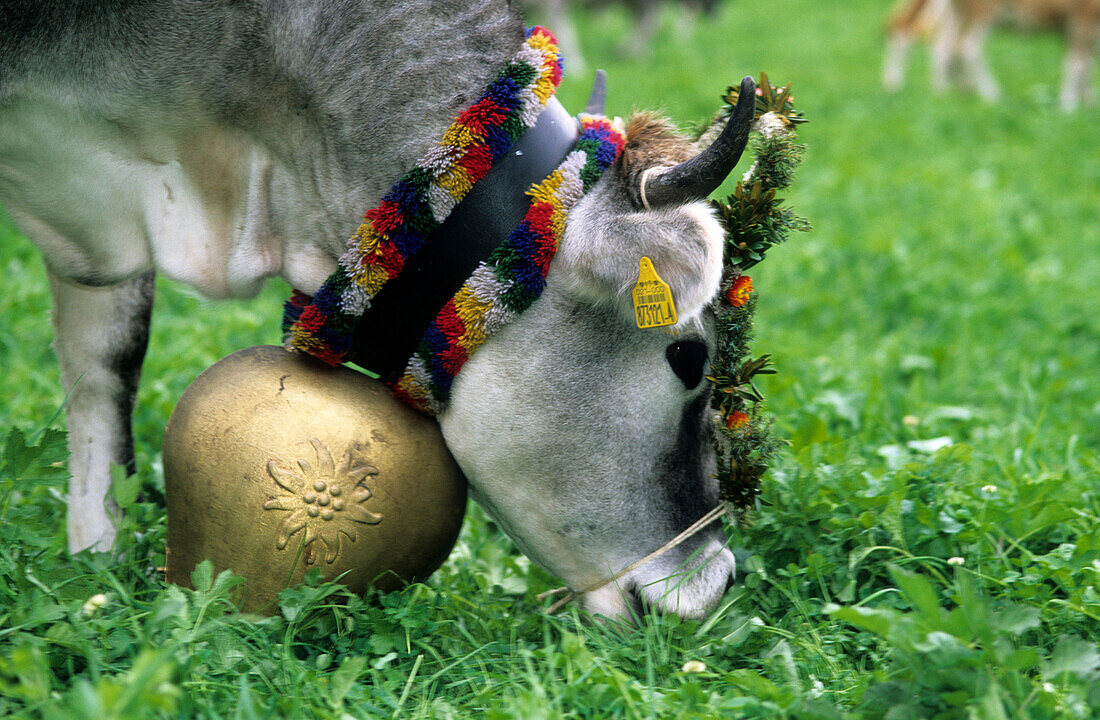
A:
x: 687, y: 359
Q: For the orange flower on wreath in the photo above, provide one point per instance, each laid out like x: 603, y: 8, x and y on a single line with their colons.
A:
x: 736, y: 420
x: 739, y: 292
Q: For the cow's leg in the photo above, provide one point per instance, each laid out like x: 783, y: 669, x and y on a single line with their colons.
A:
x: 893, y: 69
x: 687, y: 18
x: 902, y: 33
x: 975, y: 65
x: 1077, y: 74
x: 647, y: 18
x: 945, y: 48
x: 557, y: 17
x: 101, y: 336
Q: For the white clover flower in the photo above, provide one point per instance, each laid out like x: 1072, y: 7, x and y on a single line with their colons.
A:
x: 694, y: 666
x: 956, y: 560
x: 989, y: 489
x: 94, y: 603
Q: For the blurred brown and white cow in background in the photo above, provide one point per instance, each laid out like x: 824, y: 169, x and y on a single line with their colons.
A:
x: 959, y: 29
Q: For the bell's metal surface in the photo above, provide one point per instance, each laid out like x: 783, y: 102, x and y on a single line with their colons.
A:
x: 275, y: 463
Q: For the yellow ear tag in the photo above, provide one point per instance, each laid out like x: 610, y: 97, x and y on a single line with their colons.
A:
x: 653, y: 306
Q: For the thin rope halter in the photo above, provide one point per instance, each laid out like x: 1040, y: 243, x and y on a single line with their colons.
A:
x: 690, y: 531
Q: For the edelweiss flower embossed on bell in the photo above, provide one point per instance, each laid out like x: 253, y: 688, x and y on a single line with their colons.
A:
x: 274, y: 463
x: 325, y: 501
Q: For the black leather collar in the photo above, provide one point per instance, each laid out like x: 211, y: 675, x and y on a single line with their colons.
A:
x: 390, y: 330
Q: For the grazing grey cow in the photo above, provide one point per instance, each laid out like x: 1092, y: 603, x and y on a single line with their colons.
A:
x: 224, y: 143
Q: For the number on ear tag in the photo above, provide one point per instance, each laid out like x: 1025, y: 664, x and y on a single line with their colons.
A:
x: 653, y: 306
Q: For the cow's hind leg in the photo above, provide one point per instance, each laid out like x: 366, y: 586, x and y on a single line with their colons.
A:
x: 1083, y: 44
x: 563, y: 27
x: 902, y: 32
x: 978, y: 75
x: 101, y: 336
x: 893, y: 69
x: 945, y: 49
x: 647, y: 20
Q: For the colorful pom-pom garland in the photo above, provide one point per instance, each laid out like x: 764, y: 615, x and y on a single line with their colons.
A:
x: 503, y: 285
x: 513, y: 276
x: 398, y: 227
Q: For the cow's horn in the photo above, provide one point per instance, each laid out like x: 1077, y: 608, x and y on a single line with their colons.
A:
x: 599, y: 94
x: 697, y: 178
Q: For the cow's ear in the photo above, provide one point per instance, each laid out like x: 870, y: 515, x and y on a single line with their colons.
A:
x: 606, y: 237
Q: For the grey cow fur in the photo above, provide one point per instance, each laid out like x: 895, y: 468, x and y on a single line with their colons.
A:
x: 222, y: 143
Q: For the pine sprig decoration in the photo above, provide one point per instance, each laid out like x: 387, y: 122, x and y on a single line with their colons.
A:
x: 753, y: 215
x: 769, y: 99
x: 755, y: 221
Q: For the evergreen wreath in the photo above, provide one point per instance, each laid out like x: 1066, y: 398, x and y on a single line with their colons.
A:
x: 754, y: 220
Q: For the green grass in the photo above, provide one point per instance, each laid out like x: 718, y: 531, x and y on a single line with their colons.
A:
x: 950, y: 289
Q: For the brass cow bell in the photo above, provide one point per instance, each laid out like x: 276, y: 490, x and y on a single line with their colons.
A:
x: 275, y: 463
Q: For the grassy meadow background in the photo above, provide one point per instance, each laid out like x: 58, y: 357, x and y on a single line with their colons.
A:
x: 929, y: 545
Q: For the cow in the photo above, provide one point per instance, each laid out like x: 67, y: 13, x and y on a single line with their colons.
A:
x: 960, y: 27
x: 227, y: 142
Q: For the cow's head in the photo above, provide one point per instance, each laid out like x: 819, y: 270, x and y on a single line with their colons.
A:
x: 587, y: 438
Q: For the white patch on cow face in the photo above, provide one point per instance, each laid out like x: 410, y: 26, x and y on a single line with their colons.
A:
x: 599, y: 255
x: 579, y: 439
